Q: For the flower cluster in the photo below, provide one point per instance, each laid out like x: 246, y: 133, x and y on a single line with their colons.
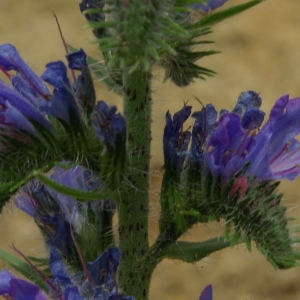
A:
x: 229, y: 166
x: 98, y: 281
x: 225, y: 146
x: 59, y: 125
x: 68, y: 226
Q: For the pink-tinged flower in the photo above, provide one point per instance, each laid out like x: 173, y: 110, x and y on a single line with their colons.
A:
x: 233, y: 164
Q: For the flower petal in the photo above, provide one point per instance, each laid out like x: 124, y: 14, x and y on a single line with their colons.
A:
x: 210, y: 5
x: 207, y: 293
x: 63, y: 102
x: 27, y: 82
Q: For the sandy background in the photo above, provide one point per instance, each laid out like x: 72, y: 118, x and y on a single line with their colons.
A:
x: 260, y: 52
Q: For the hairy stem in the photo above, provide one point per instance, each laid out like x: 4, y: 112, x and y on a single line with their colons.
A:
x: 135, y: 274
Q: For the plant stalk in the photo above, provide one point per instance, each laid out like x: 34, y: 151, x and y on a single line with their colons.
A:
x: 134, y: 272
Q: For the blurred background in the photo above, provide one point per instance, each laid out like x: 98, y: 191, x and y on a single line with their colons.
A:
x: 260, y: 51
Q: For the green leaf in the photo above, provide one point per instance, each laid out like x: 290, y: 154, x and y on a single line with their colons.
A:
x: 188, y: 2
x: 225, y: 14
x: 191, y: 252
x: 23, y: 268
x: 40, y: 262
x: 79, y: 195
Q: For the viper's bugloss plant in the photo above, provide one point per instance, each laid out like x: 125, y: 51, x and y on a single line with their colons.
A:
x: 72, y: 162
x: 231, y: 171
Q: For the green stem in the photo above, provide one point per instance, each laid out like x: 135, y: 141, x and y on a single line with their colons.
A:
x: 135, y: 273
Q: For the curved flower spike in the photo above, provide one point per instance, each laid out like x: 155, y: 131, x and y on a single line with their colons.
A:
x: 231, y: 170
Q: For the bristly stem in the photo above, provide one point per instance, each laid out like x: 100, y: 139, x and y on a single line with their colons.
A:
x: 135, y: 274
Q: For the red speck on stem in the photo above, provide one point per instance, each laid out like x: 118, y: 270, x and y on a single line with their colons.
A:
x: 241, y: 184
x: 126, y: 3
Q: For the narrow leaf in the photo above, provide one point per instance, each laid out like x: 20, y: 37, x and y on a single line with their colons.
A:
x: 192, y: 252
x: 79, y: 195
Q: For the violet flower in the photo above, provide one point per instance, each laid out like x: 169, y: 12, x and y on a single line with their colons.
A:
x: 83, y: 86
x: 58, y: 214
x: 224, y: 147
x: 19, y: 289
x: 98, y: 282
x: 175, y: 139
x: 29, y: 98
x: 272, y: 152
x: 108, y: 124
x: 210, y: 5
x: 63, y: 104
x: 207, y: 293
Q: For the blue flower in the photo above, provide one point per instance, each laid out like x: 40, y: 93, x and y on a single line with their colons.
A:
x: 98, y: 282
x: 108, y: 124
x: 83, y: 86
x: 63, y: 103
x: 210, y: 5
x: 207, y: 293
x: 56, y: 214
x: 272, y: 152
x: 175, y: 139
x: 19, y: 289
x: 205, y: 123
x: 223, y: 147
x: 29, y: 100
x: 25, y: 81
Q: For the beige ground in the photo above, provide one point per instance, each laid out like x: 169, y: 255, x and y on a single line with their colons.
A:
x: 260, y: 52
